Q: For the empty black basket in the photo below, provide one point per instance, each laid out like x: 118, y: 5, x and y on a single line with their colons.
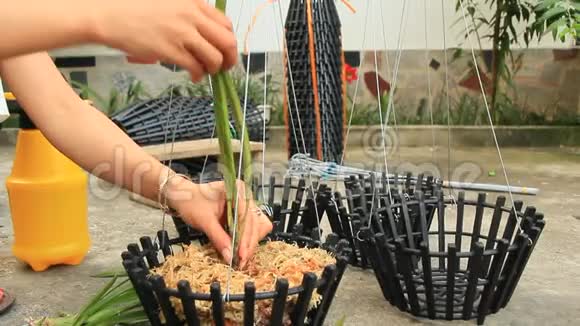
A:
x: 156, y: 297
x: 295, y: 201
x: 461, y: 270
x: 364, y: 195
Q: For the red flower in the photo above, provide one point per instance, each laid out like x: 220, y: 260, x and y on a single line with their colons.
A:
x: 351, y: 73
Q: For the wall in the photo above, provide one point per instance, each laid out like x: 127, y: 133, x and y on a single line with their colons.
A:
x: 545, y: 83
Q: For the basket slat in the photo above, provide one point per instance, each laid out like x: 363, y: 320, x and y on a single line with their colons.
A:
x: 303, y: 302
x: 188, y: 303
x: 249, y: 303
x: 428, y: 279
x: 475, y: 263
x: 279, y: 302
x: 452, y: 267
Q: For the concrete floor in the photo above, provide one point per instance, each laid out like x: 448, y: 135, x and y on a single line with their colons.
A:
x: 548, y: 293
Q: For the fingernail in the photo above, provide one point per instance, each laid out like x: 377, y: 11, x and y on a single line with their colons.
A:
x: 227, y: 255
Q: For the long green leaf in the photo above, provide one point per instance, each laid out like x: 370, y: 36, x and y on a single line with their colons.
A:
x: 225, y: 142
x: 240, y: 124
x: 83, y: 314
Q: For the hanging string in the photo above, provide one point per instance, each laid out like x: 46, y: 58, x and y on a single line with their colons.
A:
x: 402, y: 27
x: 290, y: 75
x: 391, y: 103
x: 165, y: 139
x: 356, y: 87
x: 384, y: 143
x: 483, y: 94
x: 391, y: 75
x: 428, y: 71
x: 264, y: 126
x: 447, y: 101
x: 212, y: 135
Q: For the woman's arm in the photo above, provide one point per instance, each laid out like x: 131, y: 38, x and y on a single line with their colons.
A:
x: 89, y: 138
x: 189, y: 33
x: 77, y: 129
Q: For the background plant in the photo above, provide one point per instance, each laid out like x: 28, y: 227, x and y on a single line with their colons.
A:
x: 500, y: 27
x: 116, y: 99
x: 561, y: 18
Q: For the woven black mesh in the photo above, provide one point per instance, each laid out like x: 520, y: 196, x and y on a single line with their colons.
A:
x: 328, y: 49
x: 147, y: 122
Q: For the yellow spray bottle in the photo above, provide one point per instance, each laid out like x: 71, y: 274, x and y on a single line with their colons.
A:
x: 48, y: 196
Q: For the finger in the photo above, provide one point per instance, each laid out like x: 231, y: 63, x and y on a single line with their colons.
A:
x: 262, y: 227
x: 221, y: 38
x: 245, y: 241
x: 219, y: 238
x: 210, y: 57
x: 183, y: 58
x: 215, y: 14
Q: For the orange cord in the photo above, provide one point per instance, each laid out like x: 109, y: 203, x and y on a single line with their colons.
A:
x: 285, y: 102
x: 253, y: 22
x: 344, y: 104
x: 349, y: 6
x: 314, y: 79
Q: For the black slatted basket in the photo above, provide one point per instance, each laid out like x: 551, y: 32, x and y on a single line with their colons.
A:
x: 464, y: 267
x: 151, y: 122
x: 295, y: 201
x: 365, y: 194
x: 156, y: 297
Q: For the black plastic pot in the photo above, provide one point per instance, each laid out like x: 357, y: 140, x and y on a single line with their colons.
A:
x: 155, y: 296
x: 365, y: 195
x: 458, y: 271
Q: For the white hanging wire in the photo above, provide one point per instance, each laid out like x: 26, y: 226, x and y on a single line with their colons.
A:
x: 391, y: 75
x: 291, y: 77
x: 402, y: 33
x: 491, y: 122
x: 356, y: 88
x: 169, y: 111
x: 212, y: 135
x: 402, y: 27
x: 264, y: 126
x: 239, y: 175
x: 448, y: 103
x: 354, y: 99
x: 428, y: 71
x: 311, y: 186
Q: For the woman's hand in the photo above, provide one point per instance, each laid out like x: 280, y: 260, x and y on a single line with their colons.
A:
x: 189, y: 33
x: 203, y: 206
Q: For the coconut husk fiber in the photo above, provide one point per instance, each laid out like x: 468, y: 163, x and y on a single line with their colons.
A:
x: 201, y: 266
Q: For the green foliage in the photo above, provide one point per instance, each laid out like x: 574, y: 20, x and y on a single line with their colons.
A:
x: 116, y: 303
x: 116, y: 100
x: 561, y: 18
x: 499, y: 27
x: 255, y: 88
x: 467, y: 110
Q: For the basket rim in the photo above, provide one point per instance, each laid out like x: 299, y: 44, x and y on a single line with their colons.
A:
x: 131, y: 264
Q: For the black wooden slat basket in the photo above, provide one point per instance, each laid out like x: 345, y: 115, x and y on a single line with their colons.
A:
x: 363, y: 195
x: 156, y: 297
x: 458, y: 270
x: 295, y: 201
